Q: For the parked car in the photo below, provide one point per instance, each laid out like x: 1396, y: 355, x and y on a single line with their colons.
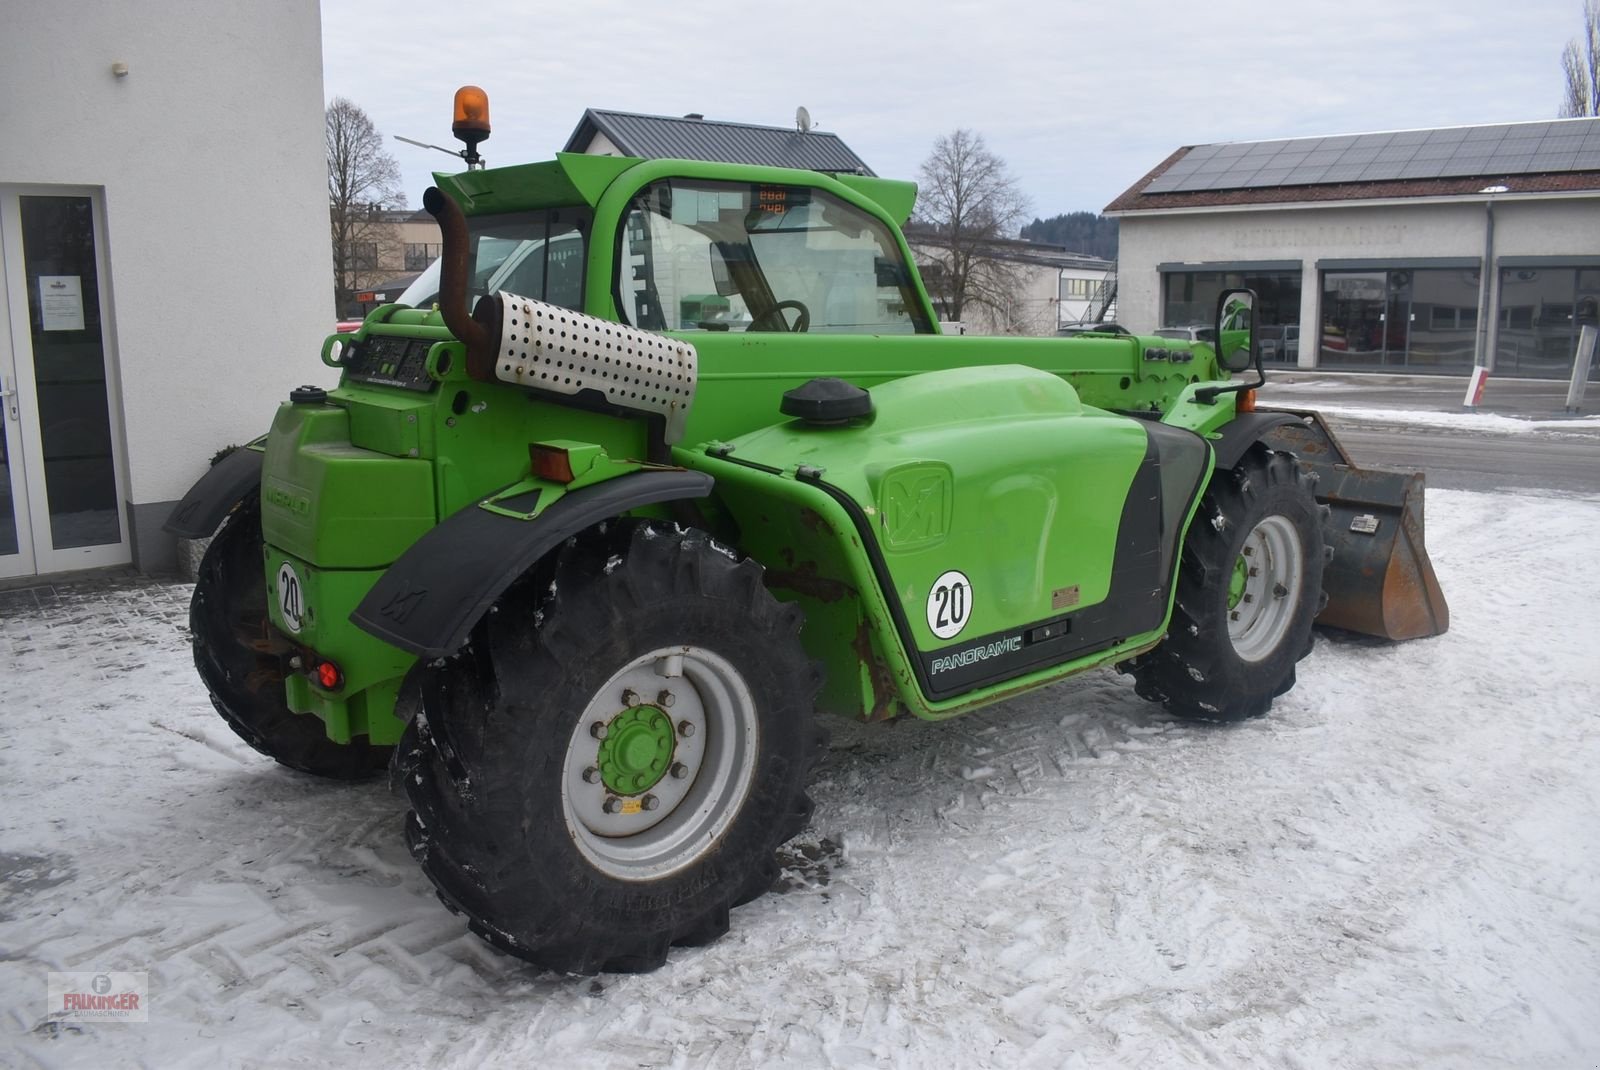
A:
x: 1091, y: 328
x: 1195, y: 332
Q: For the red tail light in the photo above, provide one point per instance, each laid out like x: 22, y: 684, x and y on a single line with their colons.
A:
x: 329, y: 676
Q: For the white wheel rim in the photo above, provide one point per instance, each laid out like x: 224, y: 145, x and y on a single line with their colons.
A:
x: 1275, y: 573
x: 657, y: 830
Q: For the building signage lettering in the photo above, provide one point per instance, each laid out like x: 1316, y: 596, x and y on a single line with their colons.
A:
x: 1353, y: 236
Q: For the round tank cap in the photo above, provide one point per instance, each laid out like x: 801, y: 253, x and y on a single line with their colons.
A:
x: 826, y: 400
x: 307, y: 395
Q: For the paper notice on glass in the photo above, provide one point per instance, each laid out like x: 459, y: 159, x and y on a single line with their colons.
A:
x: 61, y: 302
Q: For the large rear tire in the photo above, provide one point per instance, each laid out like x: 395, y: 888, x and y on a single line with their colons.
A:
x: 611, y: 763
x: 242, y: 659
x: 1249, y: 585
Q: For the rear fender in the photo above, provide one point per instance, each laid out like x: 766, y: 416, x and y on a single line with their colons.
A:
x: 1237, y: 435
x: 430, y: 598
x: 228, y: 482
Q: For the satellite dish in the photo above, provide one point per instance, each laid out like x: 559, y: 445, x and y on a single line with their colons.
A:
x: 802, y: 120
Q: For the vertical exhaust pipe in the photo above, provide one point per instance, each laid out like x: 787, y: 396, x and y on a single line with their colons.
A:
x: 478, y: 329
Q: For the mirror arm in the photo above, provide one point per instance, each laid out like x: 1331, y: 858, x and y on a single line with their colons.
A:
x: 1208, y: 395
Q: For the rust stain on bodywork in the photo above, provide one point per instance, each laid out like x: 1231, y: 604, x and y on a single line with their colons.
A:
x: 806, y: 579
x: 882, y: 680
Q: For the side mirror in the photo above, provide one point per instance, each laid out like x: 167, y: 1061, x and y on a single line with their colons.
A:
x: 1236, y: 329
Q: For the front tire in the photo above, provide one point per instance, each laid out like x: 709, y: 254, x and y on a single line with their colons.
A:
x: 612, y: 762
x: 1249, y: 585
x: 242, y: 659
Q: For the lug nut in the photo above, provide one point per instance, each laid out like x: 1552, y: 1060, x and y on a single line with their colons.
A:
x: 1248, y: 551
x: 1249, y: 598
x: 650, y: 802
x: 591, y: 775
x: 685, y: 729
x: 1280, y: 591
x: 612, y: 805
x: 665, y: 700
x: 679, y: 770
x: 1234, y: 615
x: 630, y: 698
x: 598, y: 730
x: 1254, y: 571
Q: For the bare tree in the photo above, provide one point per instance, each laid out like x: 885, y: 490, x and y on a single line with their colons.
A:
x: 968, y: 200
x: 363, y: 181
x: 1580, y: 65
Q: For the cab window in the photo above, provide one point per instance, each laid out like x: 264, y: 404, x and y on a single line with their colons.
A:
x: 531, y: 254
x: 722, y: 256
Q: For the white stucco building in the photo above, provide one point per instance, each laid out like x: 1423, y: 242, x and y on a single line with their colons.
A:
x: 1369, y: 250
x: 150, y: 318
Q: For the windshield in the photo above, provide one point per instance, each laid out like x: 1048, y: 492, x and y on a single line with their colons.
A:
x: 531, y: 254
x: 723, y: 256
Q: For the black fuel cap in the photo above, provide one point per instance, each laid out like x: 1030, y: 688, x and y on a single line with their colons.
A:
x: 307, y: 395
x: 826, y: 400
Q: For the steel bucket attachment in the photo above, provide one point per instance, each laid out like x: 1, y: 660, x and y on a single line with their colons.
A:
x: 1380, y: 581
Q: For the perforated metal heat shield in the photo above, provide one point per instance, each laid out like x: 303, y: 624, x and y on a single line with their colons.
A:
x: 555, y: 350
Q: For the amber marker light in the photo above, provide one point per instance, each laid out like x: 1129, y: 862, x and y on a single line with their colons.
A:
x: 1246, y: 401
x: 550, y: 462
x: 472, y: 115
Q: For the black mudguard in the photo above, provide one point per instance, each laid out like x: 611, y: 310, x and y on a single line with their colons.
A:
x: 428, y: 600
x: 229, y: 482
x: 1244, y: 429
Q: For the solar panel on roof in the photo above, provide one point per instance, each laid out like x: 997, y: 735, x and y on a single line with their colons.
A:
x: 1458, y: 152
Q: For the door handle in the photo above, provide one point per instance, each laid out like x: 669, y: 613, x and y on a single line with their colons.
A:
x: 9, y: 392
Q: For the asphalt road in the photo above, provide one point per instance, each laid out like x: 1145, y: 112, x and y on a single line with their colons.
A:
x: 1567, y: 464
x: 1550, y: 458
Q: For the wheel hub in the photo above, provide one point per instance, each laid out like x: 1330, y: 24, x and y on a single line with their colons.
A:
x: 659, y: 762
x: 637, y: 750
x: 1236, y: 583
x: 1264, y: 588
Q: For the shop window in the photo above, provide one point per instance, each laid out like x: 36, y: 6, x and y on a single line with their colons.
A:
x: 1541, y: 312
x: 1421, y: 319
x: 1189, y: 298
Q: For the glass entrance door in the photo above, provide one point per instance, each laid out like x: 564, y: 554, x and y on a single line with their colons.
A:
x: 1354, y: 313
x: 60, y: 491
x: 1397, y: 319
x: 16, y: 543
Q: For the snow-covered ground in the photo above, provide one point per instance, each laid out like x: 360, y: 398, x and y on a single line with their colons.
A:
x: 1399, y: 867
x: 1476, y: 422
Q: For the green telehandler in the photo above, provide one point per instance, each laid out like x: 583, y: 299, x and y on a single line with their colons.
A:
x: 676, y: 458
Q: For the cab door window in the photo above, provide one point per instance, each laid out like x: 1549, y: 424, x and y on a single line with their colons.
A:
x: 722, y: 256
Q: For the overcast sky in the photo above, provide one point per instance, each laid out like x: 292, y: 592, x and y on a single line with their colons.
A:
x: 1080, y: 99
